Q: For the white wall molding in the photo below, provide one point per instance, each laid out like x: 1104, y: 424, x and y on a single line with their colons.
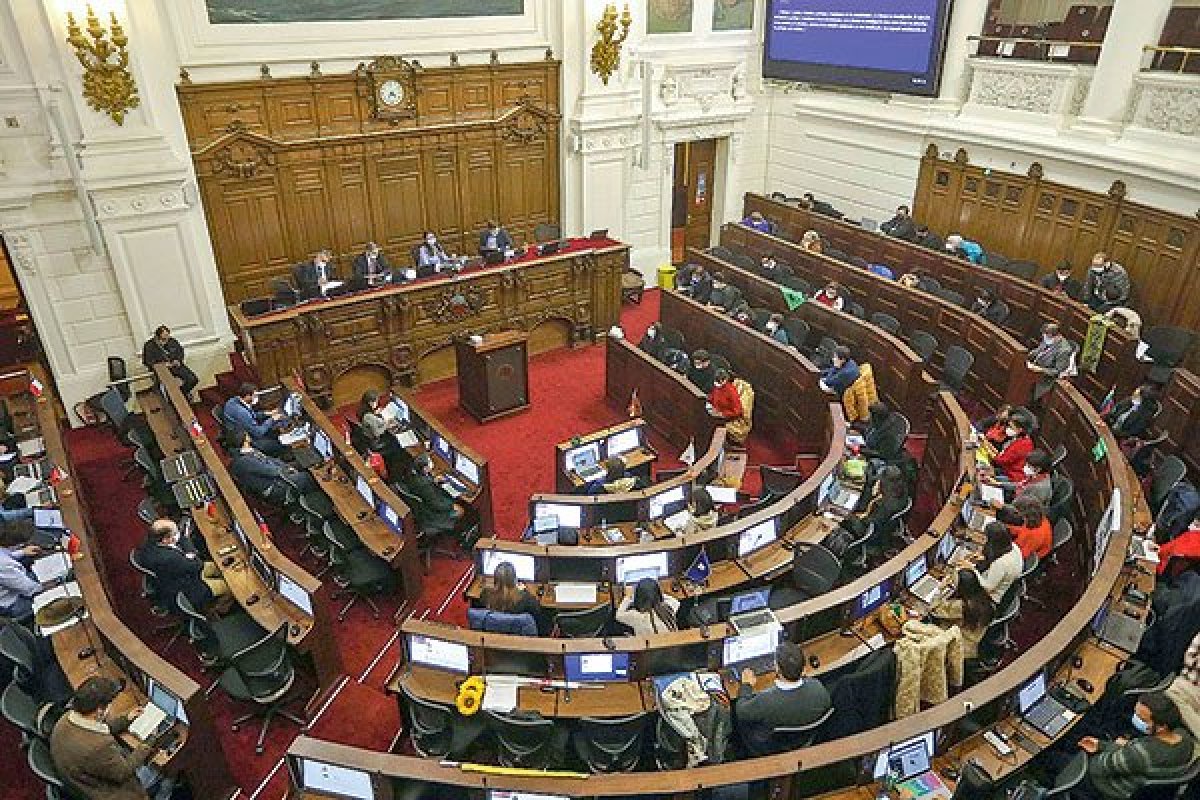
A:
x: 1027, y: 92
x: 1167, y: 103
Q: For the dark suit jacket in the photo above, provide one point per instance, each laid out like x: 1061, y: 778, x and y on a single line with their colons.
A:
x: 1072, y: 287
x: 381, y: 266
x: 1135, y: 422
x: 883, y: 440
x: 759, y: 713
x: 434, y: 511
x: 242, y: 419
x: 901, y: 228
x: 305, y: 274
x: 154, y: 353
x: 702, y: 378
x: 176, y: 573
x: 503, y: 241
x: 259, y: 473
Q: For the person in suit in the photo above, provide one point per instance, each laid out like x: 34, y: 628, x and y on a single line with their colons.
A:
x: 1050, y: 359
x: 494, y: 238
x: 1061, y: 282
x: 88, y: 756
x: 371, y: 266
x: 702, y: 372
x: 792, y: 701
x: 435, y: 511
x: 262, y: 474
x: 315, y: 274
x: 18, y: 585
x: 842, y: 375
x: 178, y: 568
x: 241, y: 417
x: 883, y: 437
x: 1131, y: 417
x: 162, y: 348
x: 901, y: 226
x: 1103, y: 274
x: 430, y: 256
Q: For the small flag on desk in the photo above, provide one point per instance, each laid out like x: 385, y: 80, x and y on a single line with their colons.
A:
x: 298, y: 379
x: 57, y: 475
x: 793, y: 298
x: 688, y: 456
x: 196, y: 429
x: 700, y: 569
x: 1109, y: 401
x: 210, y: 509
x: 263, y: 528
x: 35, y: 387
x: 635, y: 405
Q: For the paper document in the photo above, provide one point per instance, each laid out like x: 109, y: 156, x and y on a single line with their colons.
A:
x: 575, y: 593
x: 51, y: 567
x: 678, y: 521
x: 991, y: 494
x: 23, y: 485
x: 407, y: 439
x: 710, y: 681
x: 147, y: 722
x: 1141, y: 353
x: 854, y: 440
x: 500, y: 694
x: 31, y: 447
x: 6, y: 457
x: 1060, y: 50
x: 330, y: 286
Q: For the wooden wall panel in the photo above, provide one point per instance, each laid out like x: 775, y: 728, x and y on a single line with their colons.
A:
x: 1028, y: 218
x: 305, y: 164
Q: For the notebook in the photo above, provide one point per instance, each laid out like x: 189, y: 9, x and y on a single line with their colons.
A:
x: 575, y: 593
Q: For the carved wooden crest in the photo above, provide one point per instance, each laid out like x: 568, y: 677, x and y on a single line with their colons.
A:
x: 454, y: 304
x: 242, y: 159
x: 390, y: 83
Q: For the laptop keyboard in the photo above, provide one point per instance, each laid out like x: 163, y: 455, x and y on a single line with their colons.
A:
x: 926, y: 589
x: 1048, y: 717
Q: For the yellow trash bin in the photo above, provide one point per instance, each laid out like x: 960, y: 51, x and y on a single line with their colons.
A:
x: 666, y: 276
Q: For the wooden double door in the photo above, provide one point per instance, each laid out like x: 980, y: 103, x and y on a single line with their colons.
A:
x: 694, y: 190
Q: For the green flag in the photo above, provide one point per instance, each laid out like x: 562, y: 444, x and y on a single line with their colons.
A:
x: 793, y: 298
x: 1099, y: 450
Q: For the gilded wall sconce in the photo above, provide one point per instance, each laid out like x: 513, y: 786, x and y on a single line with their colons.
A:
x: 606, y: 53
x: 108, y: 84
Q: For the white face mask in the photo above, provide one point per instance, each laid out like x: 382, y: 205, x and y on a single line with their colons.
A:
x: 651, y: 333
x: 772, y: 327
x: 1048, y: 340
x: 1010, y: 431
x: 431, y: 240
x: 1029, y: 471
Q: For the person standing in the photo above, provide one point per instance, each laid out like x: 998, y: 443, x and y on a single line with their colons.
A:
x: 163, y: 348
x: 1103, y: 274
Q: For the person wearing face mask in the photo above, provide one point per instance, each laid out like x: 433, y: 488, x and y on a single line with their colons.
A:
x: 1009, y: 462
x: 1161, y: 749
x: 1061, y: 282
x: 990, y: 307
x: 842, y: 375
x: 371, y: 266
x: 1103, y: 275
x: 774, y: 328
x: 652, y: 341
x: 178, y: 568
x: 702, y: 512
x: 242, y: 417
x: 1132, y: 416
x: 262, y: 474
x: 435, y: 510
x: 313, y: 276
x: 494, y: 239
x: 91, y: 760
x: 995, y: 427
x: 831, y: 297
x: 162, y: 348
x: 768, y: 265
x: 430, y: 256
x: 964, y: 248
x: 1050, y: 360
x: 723, y: 296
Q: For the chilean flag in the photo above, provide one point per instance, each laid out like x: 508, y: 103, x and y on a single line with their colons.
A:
x: 35, y: 387
x: 196, y: 429
x: 263, y: 528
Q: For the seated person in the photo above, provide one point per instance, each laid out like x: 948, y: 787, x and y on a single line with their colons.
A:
x: 723, y: 296
x: 928, y: 239
x: 1000, y: 564
x: 262, y: 474
x: 1030, y: 527
x: 371, y: 266
x: 1123, y: 317
x: 178, y: 568
x: 1184, y: 548
x: 842, y: 375
x: 615, y: 480
x: 241, y: 417
x: 494, y: 239
x: 989, y: 306
x: 773, y: 327
x: 742, y: 314
x: 91, y: 759
x: 702, y: 371
x: 694, y: 281
x: 901, y: 226
x: 1050, y: 359
x: 724, y: 400
x: 910, y: 280
x: 808, y: 201
x: 767, y: 265
x: 811, y: 241
x: 1131, y: 417
x: 793, y: 701
x: 435, y: 511
x: 507, y: 595
x: 312, y: 276
x: 1010, y: 458
x: 887, y: 497
x: 652, y: 342
x: 1103, y: 274
x: 995, y: 427
x: 1036, y: 479
x: 18, y: 584
x: 162, y: 348
x: 430, y: 256
x: 969, y: 607
x: 758, y: 222
x: 646, y: 611
x: 964, y: 248
x: 1162, y: 748
x: 374, y: 427
x: 702, y: 512
x: 883, y: 436
x: 1061, y: 282
x: 831, y: 297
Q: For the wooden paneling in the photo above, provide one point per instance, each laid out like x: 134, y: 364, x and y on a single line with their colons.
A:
x: 291, y: 165
x: 1028, y: 218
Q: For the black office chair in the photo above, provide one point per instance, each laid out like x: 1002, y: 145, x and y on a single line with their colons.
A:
x: 742, y: 260
x: 956, y: 365
x: 1061, y: 493
x: 1166, y: 477
x: 856, y: 551
x: 721, y: 362
x: 928, y: 283
x: 263, y: 674
x: 1169, y: 348
x: 117, y: 371
x: 759, y: 317
x: 429, y: 544
x: 15, y: 649
x: 750, y: 509
x: 823, y: 355
x: 25, y: 712
x: 895, y: 526
x: 1022, y: 269
x: 1029, y: 571
x: 1001, y: 313
x: 1069, y: 777
x: 590, y: 623
x: 673, y: 339
x: 1061, y: 535
x: 923, y: 344
x: 217, y: 639
x: 887, y: 322
x: 798, y: 332
x: 1058, y: 455
x: 951, y: 296
x: 526, y: 743
x: 794, y: 737
x: 1142, y: 456
x: 1169, y: 788
x: 777, y: 481
x: 431, y: 725
x: 147, y: 510
x: 796, y: 283
x: 996, y: 260
x: 974, y: 782
x: 670, y: 748
x: 722, y: 253
x: 358, y: 573
x: 546, y: 232
x: 856, y: 309
x: 815, y: 570
x: 163, y: 607
x: 609, y: 745
x: 995, y: 637
x: 41, y: 764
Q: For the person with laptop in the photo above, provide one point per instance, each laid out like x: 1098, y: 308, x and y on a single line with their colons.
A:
x: 494, y: 239
x: 178, y: 568
x: 888, y: 496
x: 646, y: 611
x: 243, y: 417
x: 264, y: 475
x: 1001, y: 563
x: 615, y: 480
x: 313, y: 276
x: 702, y: 512
x: 1161, y: 749
x: 970, y: 608
x: 435, y: 510
x: 18, y: 586
x: 507, y: 595
x: 1030, y: 527
x: 371, y: 266
x: 793, y: 701
x: 163, y: 348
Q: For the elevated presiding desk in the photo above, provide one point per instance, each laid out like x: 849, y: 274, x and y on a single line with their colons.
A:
x: 393, y: 327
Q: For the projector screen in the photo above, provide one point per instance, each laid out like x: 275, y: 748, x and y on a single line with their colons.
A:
x: 888, y: 45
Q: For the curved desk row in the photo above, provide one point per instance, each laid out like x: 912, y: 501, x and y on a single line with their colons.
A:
x: 671, y: 403
x: 101, y: 644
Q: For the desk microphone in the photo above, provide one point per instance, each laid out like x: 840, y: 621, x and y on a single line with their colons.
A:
x: 362, y: 515
x: 704, y: 617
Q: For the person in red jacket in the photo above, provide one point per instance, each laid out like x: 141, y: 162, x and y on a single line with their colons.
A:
x: 1185, y: 546
x: 1030, y: 527
x: 724, y: 398
x: 1011, y: 458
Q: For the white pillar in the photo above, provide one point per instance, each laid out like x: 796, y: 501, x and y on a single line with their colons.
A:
x: 1134, y: 24
x: 967, y: 20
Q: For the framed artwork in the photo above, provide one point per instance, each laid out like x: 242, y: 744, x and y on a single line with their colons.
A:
x: 733, y: 15
x: 242, y: 12
x: 669, y: 16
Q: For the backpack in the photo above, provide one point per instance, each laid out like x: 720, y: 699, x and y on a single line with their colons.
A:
x: 1178, y: 510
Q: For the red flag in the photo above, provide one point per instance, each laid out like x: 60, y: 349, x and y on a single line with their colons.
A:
x: 196, y: 429
x: 635, y: 405
x: 57, y: 475
x: 299, y: 380
x: 35, y: 387
x: 210, y: 508
x: 263, y: 528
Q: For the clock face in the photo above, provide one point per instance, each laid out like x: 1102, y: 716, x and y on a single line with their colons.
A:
x: 391, y: 93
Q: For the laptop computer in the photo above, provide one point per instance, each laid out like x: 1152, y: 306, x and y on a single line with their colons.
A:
x: 920, y: 583
x: 41, y: 497
x: 38, y: 470
x: 1118, y: 629
x: 193, y: 492
x: 1044, y: 712
x: 842, y: 497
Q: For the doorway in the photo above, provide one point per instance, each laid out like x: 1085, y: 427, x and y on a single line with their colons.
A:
x: 694, y: 188
x: 19, y: 344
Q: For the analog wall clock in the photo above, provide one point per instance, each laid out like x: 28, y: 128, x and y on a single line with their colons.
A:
x: 390, y: 84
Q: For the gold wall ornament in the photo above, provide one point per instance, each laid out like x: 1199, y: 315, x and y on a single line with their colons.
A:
x: 108, y: 84
x: 606, y: 53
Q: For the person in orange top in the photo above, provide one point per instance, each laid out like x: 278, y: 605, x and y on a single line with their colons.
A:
x: 1030, y: 527
x: 1185, y: 546
x: 724, y: 398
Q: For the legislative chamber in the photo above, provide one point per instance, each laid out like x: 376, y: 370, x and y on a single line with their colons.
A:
x: 537, y: 400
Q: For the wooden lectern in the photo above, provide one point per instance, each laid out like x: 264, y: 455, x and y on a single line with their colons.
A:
x: 493, y: 376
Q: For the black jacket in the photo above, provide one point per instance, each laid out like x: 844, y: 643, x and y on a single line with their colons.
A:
x: 900, y: 227
x: 1071, y: 287
x: 155, y: 353
x: 176, y: 569
x: 503, y: 241
x: 1126, y: 421
x: 261, y: 473
x: 381, y: 266
x: 703, y: 378
x: 759, y: 713
x: 434, y: 511
x: 307, y: 277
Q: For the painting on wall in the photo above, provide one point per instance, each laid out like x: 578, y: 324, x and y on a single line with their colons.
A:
x: 669, y: 16
x: 237, y: 12
x: 733, y: 15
